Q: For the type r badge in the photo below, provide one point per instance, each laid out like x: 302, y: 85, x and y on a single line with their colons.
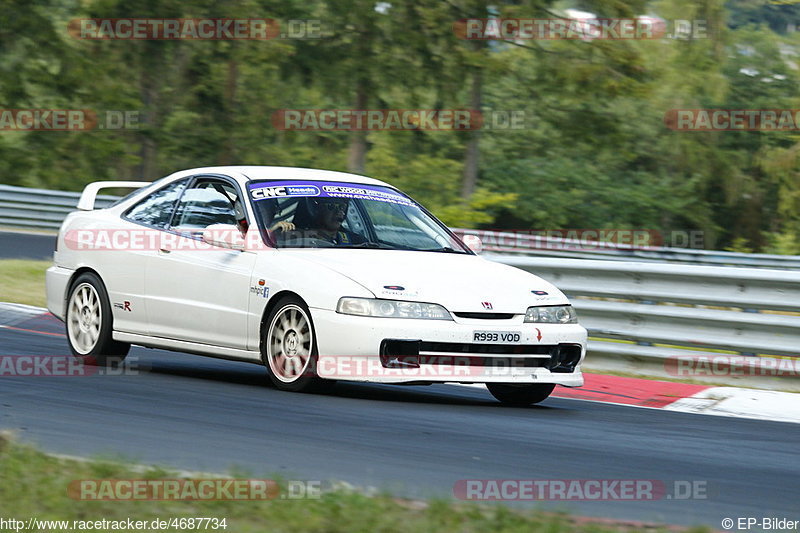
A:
x: 124, y: 306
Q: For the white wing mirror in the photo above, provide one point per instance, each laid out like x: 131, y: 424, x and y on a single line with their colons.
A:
x: 224, y: 236
x: 474, y: 243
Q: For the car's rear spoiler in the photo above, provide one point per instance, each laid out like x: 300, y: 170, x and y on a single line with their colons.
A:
x: 89, y: 194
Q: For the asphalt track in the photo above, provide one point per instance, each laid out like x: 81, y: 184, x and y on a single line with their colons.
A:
x: 205, y: 414
x: 15, y: 245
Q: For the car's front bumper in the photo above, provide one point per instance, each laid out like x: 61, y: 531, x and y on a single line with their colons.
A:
x: 350, y: 349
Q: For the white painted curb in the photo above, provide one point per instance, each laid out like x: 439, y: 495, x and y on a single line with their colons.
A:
x: 742, y: 403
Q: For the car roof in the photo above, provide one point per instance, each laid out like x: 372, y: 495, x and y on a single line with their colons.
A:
x: 247, y: 172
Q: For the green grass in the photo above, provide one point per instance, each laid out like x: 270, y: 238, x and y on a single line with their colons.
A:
x: 34, y: 485
x: 22, y: 281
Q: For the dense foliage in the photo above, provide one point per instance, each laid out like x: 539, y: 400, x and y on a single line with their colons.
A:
x: 594, y: 152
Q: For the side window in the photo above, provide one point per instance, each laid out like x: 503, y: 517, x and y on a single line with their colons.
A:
x: 209, y: 201
x: 156, y: 208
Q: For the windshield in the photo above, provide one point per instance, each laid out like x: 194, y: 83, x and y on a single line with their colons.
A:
x: 325, y: 214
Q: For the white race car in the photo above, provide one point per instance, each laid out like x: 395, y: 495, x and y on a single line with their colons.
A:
x: 318, y: 275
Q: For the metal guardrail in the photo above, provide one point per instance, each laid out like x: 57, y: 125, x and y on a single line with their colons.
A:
x: 642, y: 317
x: 39, y: 208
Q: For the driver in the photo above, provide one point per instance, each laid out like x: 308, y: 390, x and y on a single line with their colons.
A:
x: 328, y: 214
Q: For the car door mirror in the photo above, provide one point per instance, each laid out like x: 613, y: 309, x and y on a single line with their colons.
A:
x: 224, y: 236
x: 474, y: 243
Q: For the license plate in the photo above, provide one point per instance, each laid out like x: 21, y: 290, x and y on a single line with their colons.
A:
x: 497, y: 337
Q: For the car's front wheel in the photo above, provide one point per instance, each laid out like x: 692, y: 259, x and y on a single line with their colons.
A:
x: 89, y: 323
x: 520, y: 395
x: 289, y: 347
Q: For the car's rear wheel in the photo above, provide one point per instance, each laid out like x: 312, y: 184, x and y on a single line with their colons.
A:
x: 520, y: 395
x: 289, y: 347
x: 89, y: 323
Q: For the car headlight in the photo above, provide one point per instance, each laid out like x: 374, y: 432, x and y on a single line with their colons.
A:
x: 553, y: 314
x: 391, y: 309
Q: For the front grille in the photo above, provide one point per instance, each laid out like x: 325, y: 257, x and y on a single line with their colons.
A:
x: 510, y: 349
x: 492, y: 362
x: 401, y: 353
x: 486, y: 316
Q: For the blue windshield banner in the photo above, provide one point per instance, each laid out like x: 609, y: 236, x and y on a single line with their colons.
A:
x: 326, y: 189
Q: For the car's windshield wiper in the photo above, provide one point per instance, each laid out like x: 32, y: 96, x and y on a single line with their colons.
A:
x: 367, y: 244
x: 445, y: 249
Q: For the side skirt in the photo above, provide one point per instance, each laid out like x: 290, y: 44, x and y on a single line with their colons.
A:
x: 189, y: 347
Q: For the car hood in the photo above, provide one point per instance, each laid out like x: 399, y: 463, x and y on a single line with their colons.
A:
x: 460, y: 282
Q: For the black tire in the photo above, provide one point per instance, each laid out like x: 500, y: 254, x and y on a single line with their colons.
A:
x: 90, y: 322
x: 289, y: 348
x: 520, y: 395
